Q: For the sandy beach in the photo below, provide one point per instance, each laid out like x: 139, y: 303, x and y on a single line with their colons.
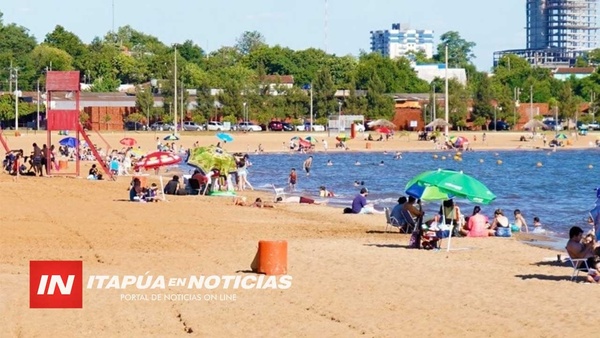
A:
x: 349, y: 277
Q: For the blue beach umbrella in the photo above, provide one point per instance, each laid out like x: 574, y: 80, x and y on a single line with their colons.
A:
x: 225, y: 137
x: 69, y: 142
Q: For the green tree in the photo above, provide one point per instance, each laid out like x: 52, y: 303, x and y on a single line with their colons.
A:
x: 324, y: 93
x: 44, y: 55
x: 460, y: 51
x: 69, y: 42
x: 144, y: 102
x: 249, y: 41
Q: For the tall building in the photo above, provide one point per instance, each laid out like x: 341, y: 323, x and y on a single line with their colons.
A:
x: 558, y: 31
x: 400, y: 40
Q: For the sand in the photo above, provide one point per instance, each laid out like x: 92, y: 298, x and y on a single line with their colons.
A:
x: 349, y: 277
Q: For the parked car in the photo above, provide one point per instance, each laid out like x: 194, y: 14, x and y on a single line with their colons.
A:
x: 594, y: 125
x: 216, y: 126
x: 287, y: 127
x: 499, y: 125
x: 249, y: 126
x: 160, y: 126
x: 552, y: 125
x: 275, y: 126
x: 192, y: 126
x: 135, y: 126
x: 305, y: 127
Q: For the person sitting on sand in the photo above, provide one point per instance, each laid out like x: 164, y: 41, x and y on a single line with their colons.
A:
x: 477, y: 225
x: 360, y: 205
x: 580, y: 247
x: 593, y: 276
x: 173, y: 187
x: 500, y: 221
x: 136, y: 192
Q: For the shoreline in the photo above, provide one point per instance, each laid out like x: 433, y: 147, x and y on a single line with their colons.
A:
x: 349, y: 277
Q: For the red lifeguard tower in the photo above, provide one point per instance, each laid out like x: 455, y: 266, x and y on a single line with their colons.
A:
x: 68, y: 119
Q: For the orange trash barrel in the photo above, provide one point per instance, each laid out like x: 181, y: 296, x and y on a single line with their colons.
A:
x: 62, y: 164
x: 272, y: 257
x: 368, y: 145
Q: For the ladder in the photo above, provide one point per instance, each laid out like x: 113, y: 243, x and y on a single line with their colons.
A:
x: 3, y: 140
x: 96, y: 154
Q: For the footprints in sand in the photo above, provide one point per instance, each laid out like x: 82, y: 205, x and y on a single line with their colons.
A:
x: 333, y: 318
x: 186, y: 328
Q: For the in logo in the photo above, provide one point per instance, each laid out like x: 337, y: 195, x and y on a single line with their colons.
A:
x: 56, y: 284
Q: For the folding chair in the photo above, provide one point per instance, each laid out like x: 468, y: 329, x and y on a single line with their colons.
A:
x: 391, y: 221
x: 196, y: 188
x: 579, y: 265
x: 408, y: 220
x: 279, y: 192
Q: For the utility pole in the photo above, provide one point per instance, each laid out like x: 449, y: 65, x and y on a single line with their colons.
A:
x: 175, y: 91
x: 516, y: 95
x: 311, y: 106
x: 434, y: 104
x: 10, y: 78
x: 446, y: 97
x: 531, y: 102
x: 183, y: 110
x: 16, y: 98
x: 38, y: 107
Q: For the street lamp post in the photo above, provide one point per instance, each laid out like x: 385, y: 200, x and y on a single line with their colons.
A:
x: 244, y: 116
x: 446, y: 106
x: 339, y: 116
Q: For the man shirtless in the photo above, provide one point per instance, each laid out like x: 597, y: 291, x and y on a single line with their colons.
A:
x: 307, y: 164
x: 579, y: 248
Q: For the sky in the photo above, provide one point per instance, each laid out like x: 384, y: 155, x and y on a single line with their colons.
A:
x: 492, y: 25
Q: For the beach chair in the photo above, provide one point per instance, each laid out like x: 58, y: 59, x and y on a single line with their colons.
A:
x: 391, y: 221
x: 279, y: 192
x: 196, y: 188
x: 579, y: 265
x: 408, y: 222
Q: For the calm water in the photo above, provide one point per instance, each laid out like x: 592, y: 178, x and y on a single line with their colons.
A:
x: 560, y: 192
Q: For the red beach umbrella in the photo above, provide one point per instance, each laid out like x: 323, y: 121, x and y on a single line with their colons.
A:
x: 158, y: 159
x: 128, y: 141
x: 304, y: 143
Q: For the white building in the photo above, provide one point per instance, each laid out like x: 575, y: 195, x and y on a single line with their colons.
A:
x: 430, y: 72
x: 400, y: 40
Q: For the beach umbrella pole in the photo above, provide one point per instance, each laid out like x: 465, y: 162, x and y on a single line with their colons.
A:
x: 162, y: 188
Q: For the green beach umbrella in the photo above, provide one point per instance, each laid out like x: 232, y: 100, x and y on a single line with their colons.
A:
x: 425, y: 192
x: 458, y: 184
x: 561, y: 136
x: 207, y: 158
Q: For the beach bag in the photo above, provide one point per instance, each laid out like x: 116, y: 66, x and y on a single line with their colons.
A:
x: 415, y: 240
x: 503, y: 232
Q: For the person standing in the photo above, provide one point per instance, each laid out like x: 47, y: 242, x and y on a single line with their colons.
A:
x: 292, y: 179
x: 325, y: 146
x: 307, y: 165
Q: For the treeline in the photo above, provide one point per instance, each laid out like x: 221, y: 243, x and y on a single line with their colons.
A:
x: 128, y: 56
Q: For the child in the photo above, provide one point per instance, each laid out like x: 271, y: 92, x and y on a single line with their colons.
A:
x: 537, y: 225
x: 292, y: 179
x: 593, y: 276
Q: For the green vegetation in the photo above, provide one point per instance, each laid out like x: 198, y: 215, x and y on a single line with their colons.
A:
x: 132, y: 57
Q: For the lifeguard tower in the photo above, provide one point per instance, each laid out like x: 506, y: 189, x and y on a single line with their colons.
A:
x: 57, y: 83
